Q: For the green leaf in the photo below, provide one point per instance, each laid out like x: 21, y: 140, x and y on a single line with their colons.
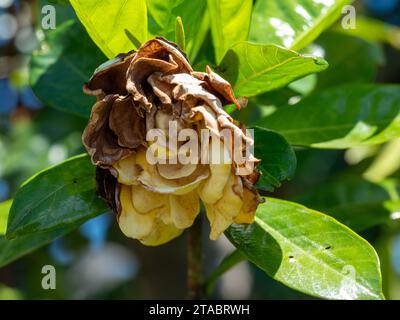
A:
x: 338, y: 118
x: 60, y: 196
x: 293, y: 24
x: 357, y: 203
x: 226, y: 264
x: 278, y: 158
x: 354, y: 61
x: 254, y: 68
x: 107, y: 23
x: 66, y: 60
x: 309, y: 252
x: 230, y: 23
x: 162, y: 18
x: 11, y: 250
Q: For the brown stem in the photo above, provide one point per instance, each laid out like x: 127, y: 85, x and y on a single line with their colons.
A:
x: 194, y: 255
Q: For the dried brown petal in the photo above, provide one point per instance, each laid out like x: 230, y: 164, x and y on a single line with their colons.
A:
x: 110, y: 77
x: 100, y: 141
x: 127, y: 124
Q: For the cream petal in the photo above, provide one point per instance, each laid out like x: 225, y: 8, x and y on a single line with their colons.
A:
x: 213, y: 188
x: 176, y: 171
x: 153, y: 181
x: 208, y: 116
x: 184, y: 209
x: 127, y: 170
x: 133, y: 224
x: 160, y: 234
x: 145, y: 201
x: 221, y: 214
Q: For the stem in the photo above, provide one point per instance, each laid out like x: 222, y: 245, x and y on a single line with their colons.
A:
x: 194, y: 254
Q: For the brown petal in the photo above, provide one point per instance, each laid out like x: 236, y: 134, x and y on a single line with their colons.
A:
x: 108, y: 188
x: 161, y: 88
x: 156, y: 55
x: 138, y: 73
x: 110, y: 77
x: 160, y: 48
x: 100, y: 141
x: 221, y: 86
x: 251, y: 200
x: 127, y: 124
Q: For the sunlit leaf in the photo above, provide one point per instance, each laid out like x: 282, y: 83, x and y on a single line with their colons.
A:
x: 254, y: 68
x: 293, y: 24
x: 309, y: 251
x: 230, y: 22
x: 162, y: 17
x: 107, y: 23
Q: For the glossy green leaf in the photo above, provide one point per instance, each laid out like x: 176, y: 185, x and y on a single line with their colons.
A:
x: 278, y: 160
x: 226, y: 264
x: 11, y: 250
x: 108, y: 22
x: 293, y: 23
x: 353, y: 61
x: 255, y: 68
x: 309, y: 251
x: 230, y: 23
x: 357, y: 203
x: 60, y: 196
x: 195, y: 20
x: 66, y: 60
x: 338, y: 118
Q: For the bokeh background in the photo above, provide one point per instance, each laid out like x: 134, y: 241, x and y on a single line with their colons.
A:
x: 97, y: 261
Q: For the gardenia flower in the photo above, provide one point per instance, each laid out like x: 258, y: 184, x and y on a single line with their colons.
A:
x: 149, y: 93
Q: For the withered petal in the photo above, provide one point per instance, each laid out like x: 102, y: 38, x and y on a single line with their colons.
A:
x: 138, y: 73
x: 160, y: 48
x: 127, y: 124
x: 100, y: 141
x: 108, y: 188
x: 110, y: 77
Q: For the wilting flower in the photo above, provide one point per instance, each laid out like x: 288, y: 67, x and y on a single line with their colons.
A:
x: 144, y: 94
